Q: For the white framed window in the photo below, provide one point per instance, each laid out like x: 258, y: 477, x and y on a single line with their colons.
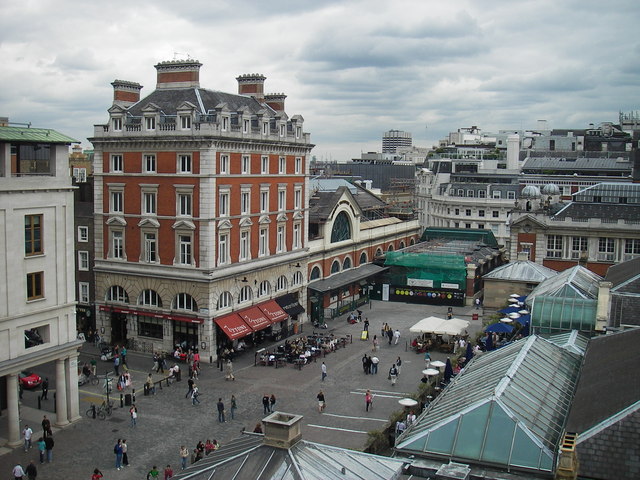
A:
x: 298, y: 132
x: 223, y: 248
x: 283, y: 129
x: 185, y: 201
x: 150, y: 298
x: 116, y: 124
x: 244, y: 245
x: 511, y: 195
x: 117, y: 164
x: 298, y: 165
x: 185, y: 122
x: 149, y: 203
x: 245, y: 202
x: 150, y: 123
x: 578, y: 246
x: 83, y: 292
x: 224, y: 164
x: 281, y: 283
x: 496, y: 194
x: 263, y: 242
x: 554, y: 246
x: 83, y: 234
x: 265, y: 128
x: 481, y: 213
x: 83, y: 260
x: 495, y: 214
x: 225, y: 124
x: 470, y: 193
x: 482, y: 193
x: 264, y: 289
x: 264, y: 164
x: 297, y: 198
x: 117, y: 294
x: 245, y: 294
x: 245, y: 166
x: 606, y: 249
x: 184, y: 163
x: 282, y: 165
x: 245, y: 126
x: 296, y: 279
x: 185, y: 251
x: 149, y: 163
x: 184, y: 301
x: 150, y: 247
x: 280, y: 239
x: 224, y: 301
x: 282, y: 199
x: 117, y: 244
x: 297, y: 236
x: 116, y: 202
x: 223, y: 204
x: 264, y: 199
x: 631, y: 248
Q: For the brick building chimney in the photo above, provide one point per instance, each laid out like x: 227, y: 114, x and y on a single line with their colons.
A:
x: 282, y: 430
x: 125, y: 93
x: 252, y: 84
x: 568, y: 461
x: 275, y: 101
x: 178, y: 74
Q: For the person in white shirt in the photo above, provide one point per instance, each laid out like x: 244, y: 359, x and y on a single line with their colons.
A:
x: 27, y: 432
x: 396, y: 336
x: 18, y: 472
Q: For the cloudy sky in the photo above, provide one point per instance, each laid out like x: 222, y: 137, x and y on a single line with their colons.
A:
x: 353, y: 69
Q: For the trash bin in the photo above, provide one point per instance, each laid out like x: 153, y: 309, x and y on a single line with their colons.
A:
x: 127, y: 399
x: 146, y: 390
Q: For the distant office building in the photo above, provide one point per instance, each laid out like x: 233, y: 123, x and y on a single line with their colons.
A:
x: 394, y: 139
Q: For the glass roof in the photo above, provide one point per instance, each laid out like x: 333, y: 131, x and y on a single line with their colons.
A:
x: 507, y: 407
x: 573, y: 341
x: 574, y: 282
x: 555, y: 315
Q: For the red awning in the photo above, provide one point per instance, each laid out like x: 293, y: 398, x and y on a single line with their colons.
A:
x: 133, y: 311
x: 254, y: 317
x: 233, y: 326
x: 273, y: 311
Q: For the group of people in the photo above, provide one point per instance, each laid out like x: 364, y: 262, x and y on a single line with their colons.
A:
x: 268, y: 403
x: 370, y: 366
x: 198, y: 452
x: 390, y: 334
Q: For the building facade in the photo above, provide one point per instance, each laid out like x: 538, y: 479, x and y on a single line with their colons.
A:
x: 394, y: 139
x: 37, y: 295
x: 200, y: 206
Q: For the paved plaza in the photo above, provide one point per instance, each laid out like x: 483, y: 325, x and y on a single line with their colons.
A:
x: 168, y: 419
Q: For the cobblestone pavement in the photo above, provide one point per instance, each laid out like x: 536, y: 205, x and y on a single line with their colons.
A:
x: 168, y: 419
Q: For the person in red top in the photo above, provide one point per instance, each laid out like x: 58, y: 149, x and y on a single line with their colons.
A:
x: 168, y: 472
x: 97, y: 474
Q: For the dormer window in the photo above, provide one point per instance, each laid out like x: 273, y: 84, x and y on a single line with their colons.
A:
x: 116, y: 123
x: 282, y: 130
x: 265, y: 128
x: 298, y: 132
x: 185, y: 122
x: 225, y: 124
x: 245, y: 126
x: 150, y: 123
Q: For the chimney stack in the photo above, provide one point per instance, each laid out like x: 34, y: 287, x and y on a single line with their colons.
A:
x: 125, y: 93
x: 568, y: 460
x: 178, y: 74
x: 282, y: 430
x: 275, y: 101
x: 513, y: 152
x: 252, y: 84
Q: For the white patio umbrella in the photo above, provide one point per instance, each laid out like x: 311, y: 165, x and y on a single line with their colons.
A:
x: 407, y: 402
x: 437, y: 364
x: 514, y: 295
x: 506, y: 320
x: 523, y: 312
x: 430, y: 372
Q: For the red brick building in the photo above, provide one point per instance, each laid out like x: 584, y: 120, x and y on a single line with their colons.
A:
x: 200, y: 206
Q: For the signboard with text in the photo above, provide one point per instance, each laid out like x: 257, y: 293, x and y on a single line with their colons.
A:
x: 426, y: 296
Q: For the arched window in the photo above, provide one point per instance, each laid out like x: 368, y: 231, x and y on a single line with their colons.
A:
x: 335, y: 266
x: 363, y: 258
x: 412, y: 241
x: 117, y: 294
x: 224, y: 300
x: 264, y: 289
x: 341, y: 228
x: 296, y: 279
x: 184, y: 301
x: 378, y: 252
x: 245, y: 294
x: 315, y: 273
x: 346, y: 264
x: 150, y: 298
x: 390, y: 248
x: 281, y: 283
x: 402, y: 245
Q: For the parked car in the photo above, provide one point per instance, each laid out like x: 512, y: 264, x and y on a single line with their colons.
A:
x: 29, y: 380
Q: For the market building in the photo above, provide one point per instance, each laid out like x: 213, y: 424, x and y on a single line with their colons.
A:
x: 200, y: 213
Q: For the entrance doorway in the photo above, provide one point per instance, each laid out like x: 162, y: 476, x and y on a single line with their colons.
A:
x: 118, y: 328
x: 186, y: 335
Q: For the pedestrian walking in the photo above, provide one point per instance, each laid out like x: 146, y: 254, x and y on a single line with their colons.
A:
x: 31, y: 471
x: 265, y: 403
x: 393, y: 374
x: 478, y: 302
x: 321, y: 401
x: 272, y: 403
x: 18, y: 472
x: 398, y: 365
x: 375, y: 343
x: 369, y: 363
x: 97, y: 474
x: 368, y: 400
x: 396, y: 336
x: 234, y: 406
x: 153, y: 473
x: 49, y: 443
x: 389, y: 334
x: 133, y: 413
x: 46, y: 426
x: 220, y: 406
x: 168, y: 472
x: 123, y: 358
x: 125, y: 455
x: 116, y: 365
x: 324, y: 371
x: 374, y: 364
x: 27, y: 433
x: 229, y: 370
x: 364, y: 364
x: 190, y: 383
x: 194, y: 395
x: 42, y: 449
x: 117, y: 450
x: 366, y: 324
x: 427, y: 359
x: 45, y: 389
x: 184, y: 456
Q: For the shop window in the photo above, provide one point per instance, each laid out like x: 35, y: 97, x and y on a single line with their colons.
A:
x: 150, y: 327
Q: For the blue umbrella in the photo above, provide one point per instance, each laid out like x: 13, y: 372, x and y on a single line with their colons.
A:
x: 489, y: 343
x: 509, y: 310
x: 469, y: 354
x: 522, y: 298
x: 448, y: 371
x: 525, y: 331
x: 499, y: 328
x: 524, y: 320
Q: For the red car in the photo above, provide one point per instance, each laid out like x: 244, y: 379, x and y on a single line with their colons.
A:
x: 29, y: 380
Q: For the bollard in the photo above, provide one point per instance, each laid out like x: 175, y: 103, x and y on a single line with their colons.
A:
x: 121, y: 400
x: 39, y: 403
x: 93, y: 410
x: 133, y: 395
